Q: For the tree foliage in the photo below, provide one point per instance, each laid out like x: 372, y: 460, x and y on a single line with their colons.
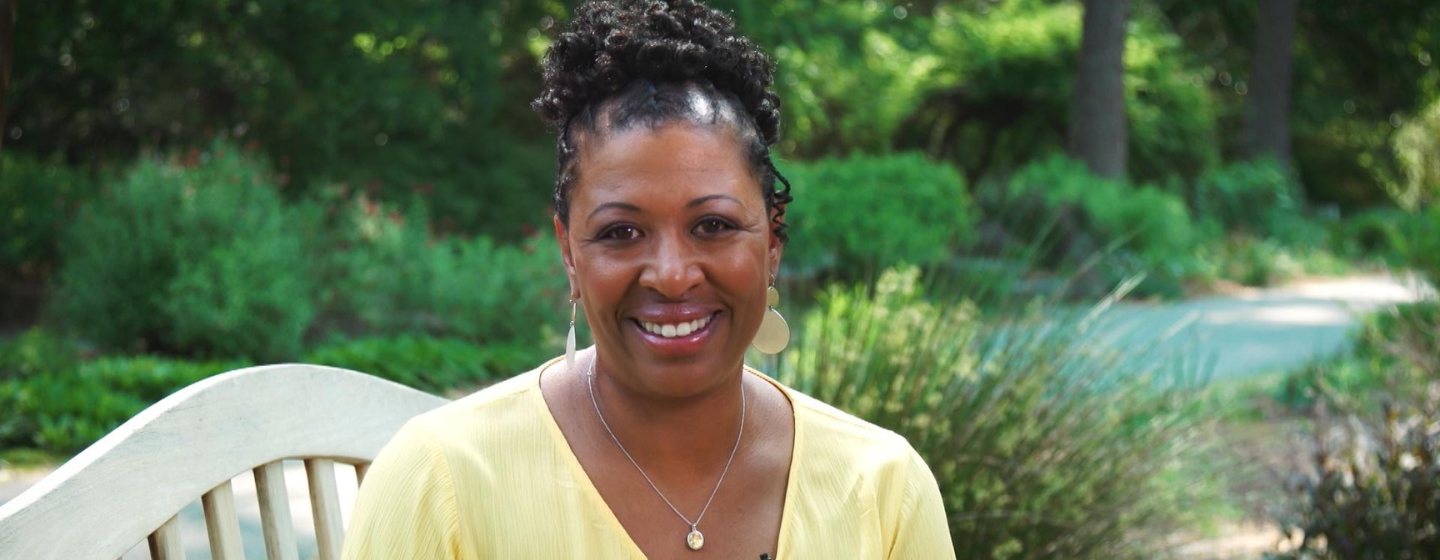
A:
x: 1362, y: 70
x: 395, y: 95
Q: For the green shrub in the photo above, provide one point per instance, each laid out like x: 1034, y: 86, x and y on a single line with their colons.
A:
x: 1396, y: 353
x: 1422, y: 249
x: 385, y: 274
x: 1045, y: 444
x: 1256, y: 262
x: 1340, y: 381
x: 198, y: 260
x: 428, y: 364
x: 1403, y: 340
x: 36, y: 351
x: 66, y: 410
x: 863, y: 213
x: 1249, y: 196
x: 1404, y: 239
x: 1059, y: 201
x: 1372, y: 234
x: 38, y: 199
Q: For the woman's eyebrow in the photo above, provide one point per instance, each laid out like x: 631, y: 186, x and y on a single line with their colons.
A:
x: 708, y: 198
x: 620, y: 205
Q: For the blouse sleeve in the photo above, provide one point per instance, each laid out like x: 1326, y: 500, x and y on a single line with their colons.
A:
x: 924, y: 531
x: 406, y: 506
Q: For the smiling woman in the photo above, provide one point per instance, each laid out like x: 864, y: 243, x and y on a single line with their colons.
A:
x: 659, y: 442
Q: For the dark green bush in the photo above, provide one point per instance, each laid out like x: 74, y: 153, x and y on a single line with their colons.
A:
x: 1249, y: 196
x: 859, y: 214
x: 66, y: 410
x: 36, y: 351
x: 1057, y: 201
x: 199, y: 259
x: 428, y: 364
x: 38, y: 198
x: 1404, y: 239
x: 1422, y: 250
x: 1372, y: 234
x: 1045, y: 444
x: 385, y: 274
x: 1255, y: 262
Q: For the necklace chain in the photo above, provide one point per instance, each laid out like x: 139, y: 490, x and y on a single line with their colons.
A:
x: 590, y: 382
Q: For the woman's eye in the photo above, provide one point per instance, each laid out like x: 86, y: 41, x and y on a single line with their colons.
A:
x: 712, y: 226
x: 621, y: 233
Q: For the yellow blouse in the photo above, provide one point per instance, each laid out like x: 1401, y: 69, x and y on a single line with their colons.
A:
x: 491, y: 477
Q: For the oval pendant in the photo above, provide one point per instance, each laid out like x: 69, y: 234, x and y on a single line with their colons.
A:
x: 694, y: 540
x: 773, y: 335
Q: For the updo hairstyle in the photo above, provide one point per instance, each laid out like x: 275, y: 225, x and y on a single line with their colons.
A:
x: 634, y: 63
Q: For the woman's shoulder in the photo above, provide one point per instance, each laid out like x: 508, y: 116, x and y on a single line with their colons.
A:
x: 510, y: 408
x: 825, y: 434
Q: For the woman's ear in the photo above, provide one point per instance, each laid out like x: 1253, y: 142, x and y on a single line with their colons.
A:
x: 776, y: 248
x: 562, y: 236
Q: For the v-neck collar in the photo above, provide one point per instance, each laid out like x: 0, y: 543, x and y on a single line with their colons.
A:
x: 593, y: 493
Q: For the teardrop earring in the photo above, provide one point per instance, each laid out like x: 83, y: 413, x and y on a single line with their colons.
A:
x: 774, y: 333
x: 570, y: 338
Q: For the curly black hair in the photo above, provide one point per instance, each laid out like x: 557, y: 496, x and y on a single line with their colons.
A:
x: 650, y: 62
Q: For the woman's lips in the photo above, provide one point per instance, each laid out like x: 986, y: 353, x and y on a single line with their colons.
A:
x: 678, y: 345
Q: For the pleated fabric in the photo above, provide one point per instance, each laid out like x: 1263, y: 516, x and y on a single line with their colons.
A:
x: 490, y: 477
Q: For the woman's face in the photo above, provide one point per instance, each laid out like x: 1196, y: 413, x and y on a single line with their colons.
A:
x: 670, y: 251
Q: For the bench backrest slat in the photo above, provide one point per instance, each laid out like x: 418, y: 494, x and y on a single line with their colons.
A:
x: 325, y: 502
x: 165, y: 541
x: 221, y: 524
x: 275, y: 520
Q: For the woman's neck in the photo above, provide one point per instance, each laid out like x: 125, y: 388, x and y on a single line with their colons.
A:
x: 692, y: 435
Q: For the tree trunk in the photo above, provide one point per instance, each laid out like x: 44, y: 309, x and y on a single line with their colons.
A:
x: 1097, y: 120
x: 7, y: 56
x: 1267, y: 111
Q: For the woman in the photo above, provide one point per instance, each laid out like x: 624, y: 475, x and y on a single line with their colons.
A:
x: 658, y: 442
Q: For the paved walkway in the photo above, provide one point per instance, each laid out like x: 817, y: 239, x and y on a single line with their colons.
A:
x: 1259, y: 330
x: 1251, y: 332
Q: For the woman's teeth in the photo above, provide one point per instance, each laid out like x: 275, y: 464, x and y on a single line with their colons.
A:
x: 677, y: 329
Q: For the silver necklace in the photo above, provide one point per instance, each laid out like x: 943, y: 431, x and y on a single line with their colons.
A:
x: 694, y: 539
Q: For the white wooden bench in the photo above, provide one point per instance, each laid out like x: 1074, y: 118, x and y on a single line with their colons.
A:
x: 130, y: 485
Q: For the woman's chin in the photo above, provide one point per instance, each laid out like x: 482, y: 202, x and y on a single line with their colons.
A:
x: 678, y: 366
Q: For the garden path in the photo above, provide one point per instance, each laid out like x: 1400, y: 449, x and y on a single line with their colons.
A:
x: 1254, y: 331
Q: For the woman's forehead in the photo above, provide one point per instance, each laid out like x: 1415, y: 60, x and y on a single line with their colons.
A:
x: 681, y: 160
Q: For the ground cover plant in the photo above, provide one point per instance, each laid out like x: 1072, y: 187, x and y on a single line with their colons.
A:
x: 58, y: 401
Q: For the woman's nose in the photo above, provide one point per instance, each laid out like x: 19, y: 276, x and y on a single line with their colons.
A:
x: 673, y: 268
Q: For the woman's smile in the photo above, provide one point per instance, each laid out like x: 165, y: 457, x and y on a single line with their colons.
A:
x: 675, y: 332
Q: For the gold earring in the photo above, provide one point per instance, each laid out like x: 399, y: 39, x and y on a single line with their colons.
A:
x: 774, y: 333
x: 570, y: 339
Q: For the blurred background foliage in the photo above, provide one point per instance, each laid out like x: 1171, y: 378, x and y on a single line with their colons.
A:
x: 190, y: 186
